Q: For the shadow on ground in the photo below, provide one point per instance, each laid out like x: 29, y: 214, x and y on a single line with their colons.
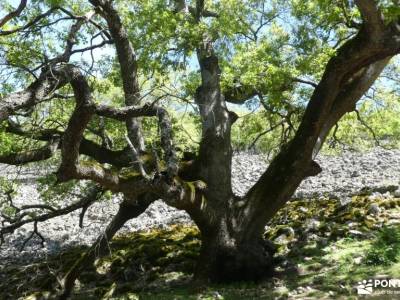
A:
x: 324, y: 250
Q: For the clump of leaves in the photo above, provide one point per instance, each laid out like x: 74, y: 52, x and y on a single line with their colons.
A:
x: 7, y: 189
x: 386, y: 249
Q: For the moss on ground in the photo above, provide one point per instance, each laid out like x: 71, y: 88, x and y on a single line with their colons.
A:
x: 324, y: 249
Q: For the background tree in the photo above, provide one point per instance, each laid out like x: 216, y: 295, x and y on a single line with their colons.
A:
x: 97, y: 115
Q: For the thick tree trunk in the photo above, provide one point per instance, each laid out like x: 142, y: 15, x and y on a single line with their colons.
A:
x: 227, y: 256
x: 227, y: 253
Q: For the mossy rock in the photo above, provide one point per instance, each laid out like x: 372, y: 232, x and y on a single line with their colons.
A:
x: 152, y: 265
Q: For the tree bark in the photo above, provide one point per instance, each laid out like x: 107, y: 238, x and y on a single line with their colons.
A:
x: 128, y: 66
x: 231, y: 227
x: 231, y: 245
x: 227, y: 256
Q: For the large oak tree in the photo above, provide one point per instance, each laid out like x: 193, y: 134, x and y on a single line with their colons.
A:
x: 311, y: 60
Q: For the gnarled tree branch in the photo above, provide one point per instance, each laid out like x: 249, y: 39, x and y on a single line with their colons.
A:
x: 128, y: 66
x: 372, y: 17
x: 292, y: 164
x: 25, y: 157
x: 14, y: 13
x: 91, y: 196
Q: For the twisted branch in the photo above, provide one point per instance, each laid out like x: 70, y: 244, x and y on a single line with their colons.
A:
x: 19, y: 220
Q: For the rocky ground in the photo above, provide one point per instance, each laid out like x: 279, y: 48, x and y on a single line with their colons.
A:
x: 377, y: 172
x: 324, y: 250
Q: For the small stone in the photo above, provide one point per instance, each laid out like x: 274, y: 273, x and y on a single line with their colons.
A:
x: 282, y: 239
x: 323, y: 241
x: 303, y: 209
x: 356, y: 233
x: 300, y: 270
x: 351, y: 224
x: 358, y: 260
x: 312, y: 237
x: 393, y: 222
x: 313, y: 224
x: 375, y: 195
x: 217, y: 295
x: 345, y: 200
x: 281, y: 290
x: 307, y: 258
x: 374, y: 209
x: 387, y: 195
x: 286, y: 232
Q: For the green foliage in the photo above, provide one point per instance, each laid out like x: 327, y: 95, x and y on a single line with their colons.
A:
x: 7, y: 185
x: 158, y: 264
x: 7, y: 141
x: 8, y: 188
x: 262, y: 46
x: 186, y: 130
x: 379, y: 124
x: 53, y: 193
x: 248, y: 128
x: 391, y: 9
x: 386, y: 249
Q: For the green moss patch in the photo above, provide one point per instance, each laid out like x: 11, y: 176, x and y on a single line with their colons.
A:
x: 324, y: 249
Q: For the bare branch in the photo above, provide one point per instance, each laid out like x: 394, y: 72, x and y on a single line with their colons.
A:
x: 78, y: 122
x: 136, y: 158
x: 164, y: 124
x: 313, y: 84
x: 240, y: 94
x: 369, y: 128
x: 125, y: 113
x: 102, y: 154
x: 167, y: 142
x: 82, y: 214
x: 350, y: 93
x: 30, y: 23
x: 90, y: 48
x: 272, y: 128
x: 91, y: 196
x: 71, y: 39
x: 14, y: 13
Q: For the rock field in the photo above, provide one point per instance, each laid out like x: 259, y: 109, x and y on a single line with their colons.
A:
x: 377, y: 172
